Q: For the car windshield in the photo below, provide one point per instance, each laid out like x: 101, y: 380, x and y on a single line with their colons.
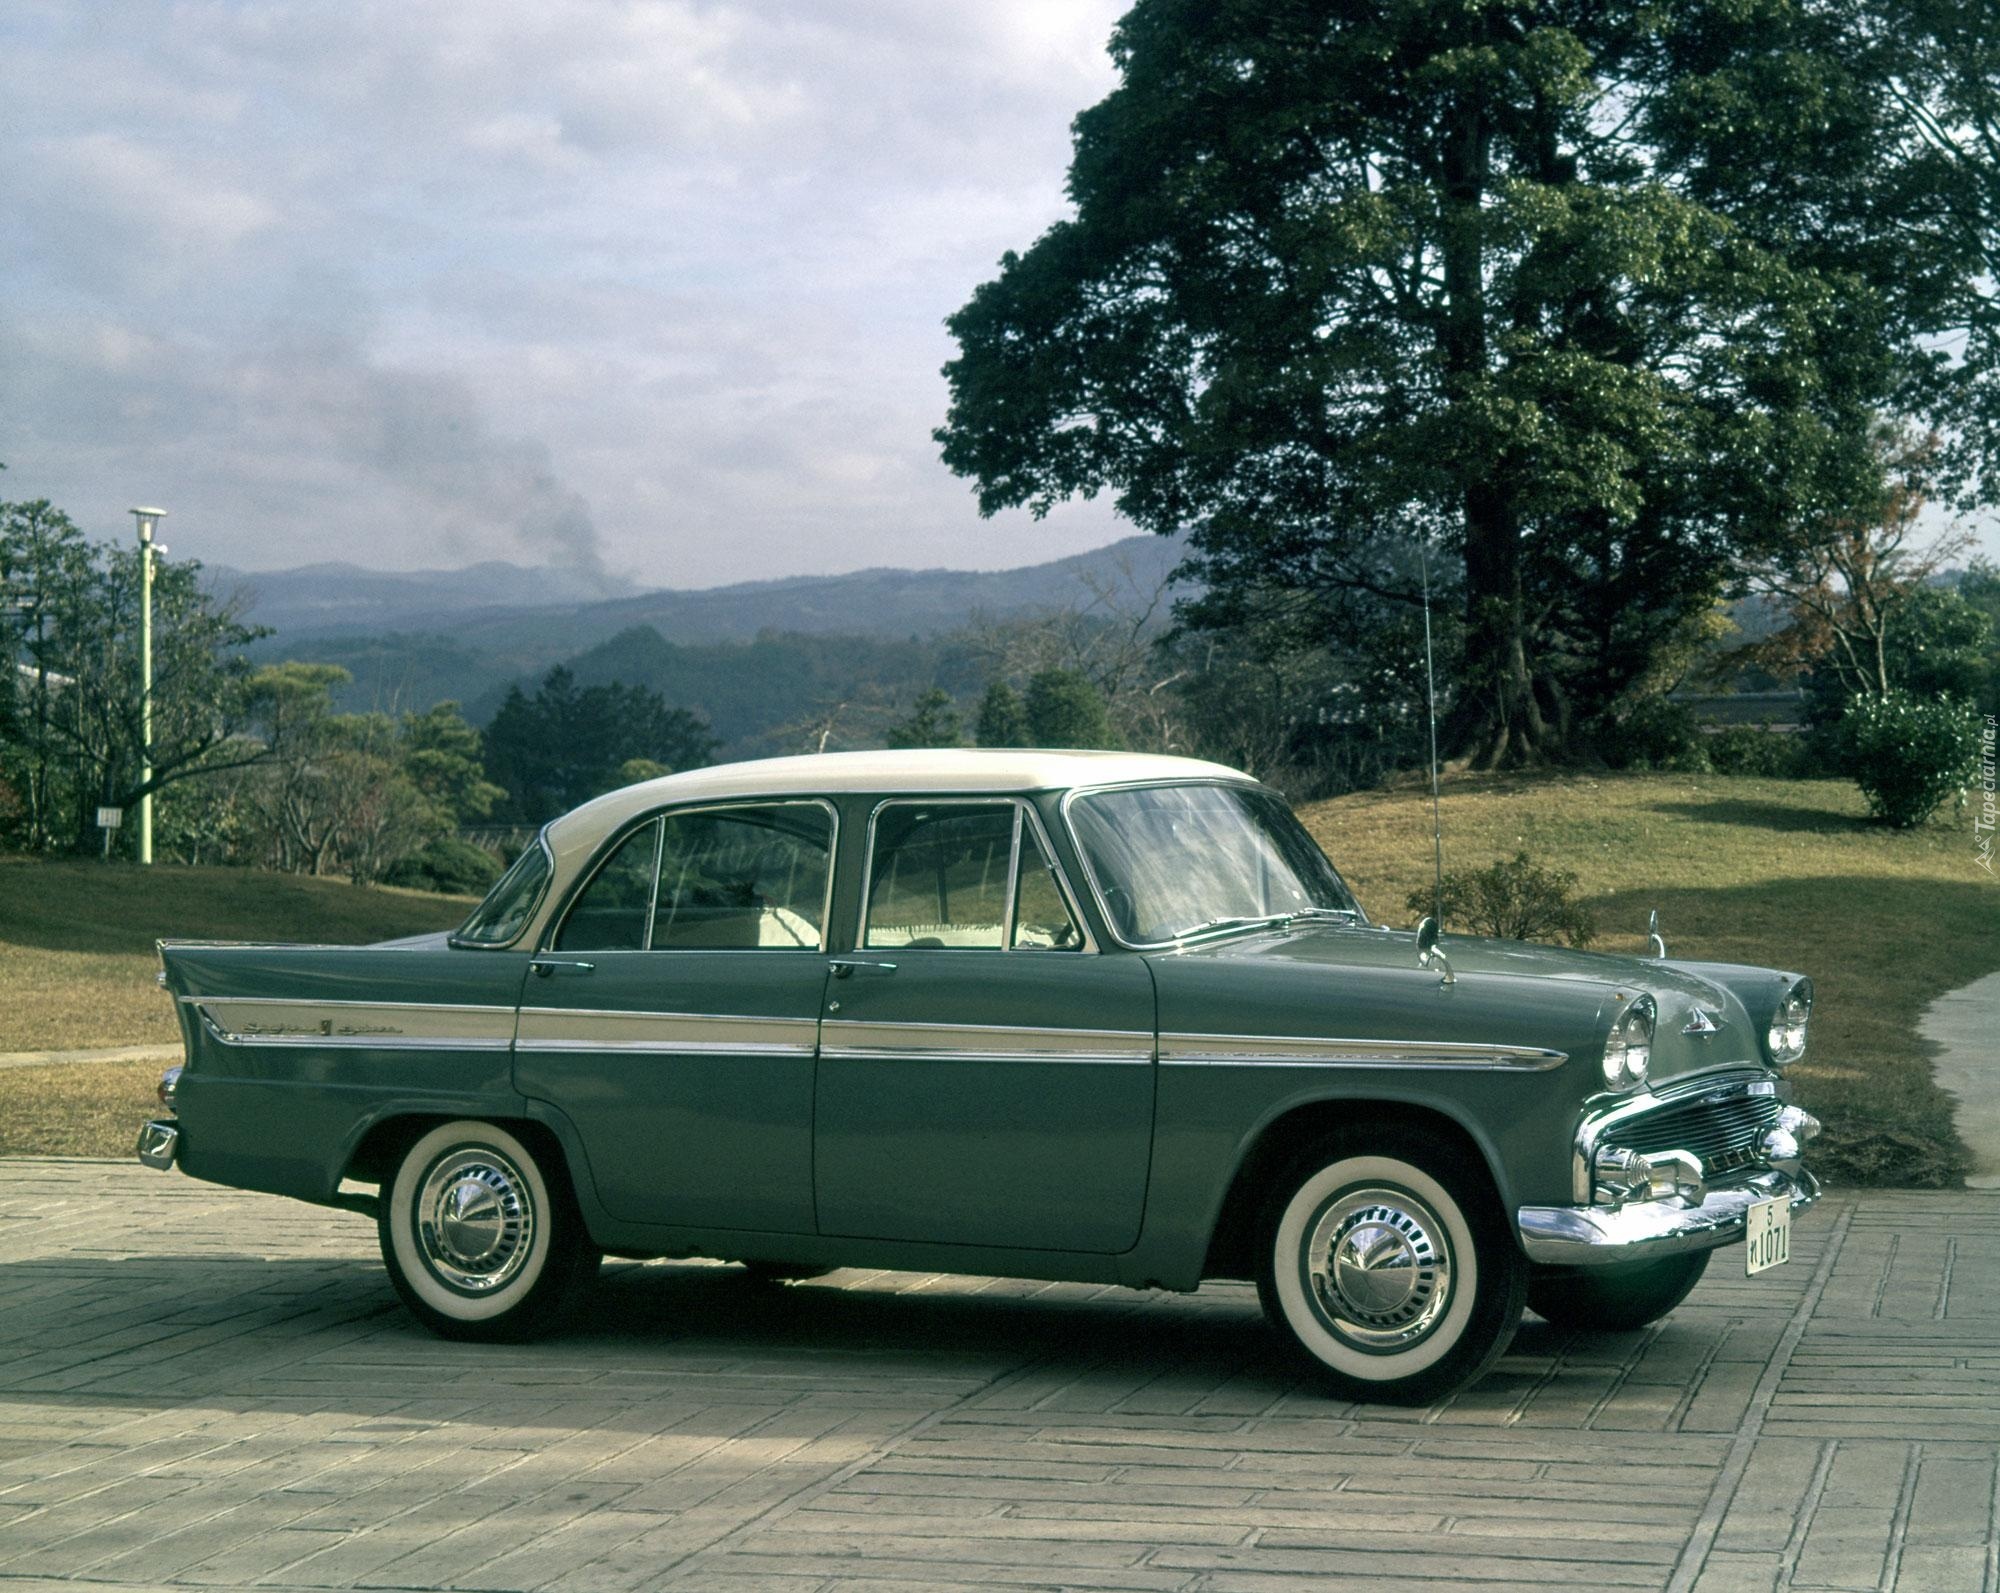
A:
x: 511, y: 902
x: 1172, y: 861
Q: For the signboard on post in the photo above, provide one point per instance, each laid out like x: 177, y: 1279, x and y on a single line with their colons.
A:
x: 110, y: 818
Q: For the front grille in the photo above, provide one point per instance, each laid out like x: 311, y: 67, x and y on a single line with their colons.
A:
x: 1722, y: 1128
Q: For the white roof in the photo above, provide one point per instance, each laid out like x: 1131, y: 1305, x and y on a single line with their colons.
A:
x: 946, y: 769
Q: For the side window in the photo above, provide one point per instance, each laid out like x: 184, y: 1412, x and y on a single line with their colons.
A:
x: 1042, y: 918
x: 611, y: 913
x: 744, y: 879
x: 939, y: 875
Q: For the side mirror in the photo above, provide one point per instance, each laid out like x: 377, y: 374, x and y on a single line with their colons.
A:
x: 1428, y: 953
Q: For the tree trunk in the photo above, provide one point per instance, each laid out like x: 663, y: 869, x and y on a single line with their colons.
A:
x: 1496, y: 722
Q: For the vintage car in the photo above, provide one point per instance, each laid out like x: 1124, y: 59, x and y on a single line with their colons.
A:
x: 1046, y: 1014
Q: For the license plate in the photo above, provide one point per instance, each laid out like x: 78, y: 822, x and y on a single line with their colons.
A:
x: 1767, y: 1235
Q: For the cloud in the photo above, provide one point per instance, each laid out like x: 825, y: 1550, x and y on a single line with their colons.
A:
x: 650, y: 285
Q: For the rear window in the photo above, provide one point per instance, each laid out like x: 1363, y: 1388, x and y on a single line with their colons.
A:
x: 512, y: 901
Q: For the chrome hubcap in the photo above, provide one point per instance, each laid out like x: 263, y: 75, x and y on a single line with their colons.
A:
x: 1379, y: 1267
x: 475, y: 1219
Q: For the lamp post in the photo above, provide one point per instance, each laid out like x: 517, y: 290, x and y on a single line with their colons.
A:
x: 148, y: 519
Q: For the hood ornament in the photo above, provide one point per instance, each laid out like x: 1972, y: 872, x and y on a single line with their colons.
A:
x: 1704, y: 1023
x: 1659, y: 946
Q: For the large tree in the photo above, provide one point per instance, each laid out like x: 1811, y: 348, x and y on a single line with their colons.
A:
x: 1583, y: 296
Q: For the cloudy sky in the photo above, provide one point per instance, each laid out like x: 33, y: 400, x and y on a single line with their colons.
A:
x: 652, y: 285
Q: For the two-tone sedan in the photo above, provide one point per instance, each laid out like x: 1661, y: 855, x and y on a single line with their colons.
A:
x: 1047, y: 1014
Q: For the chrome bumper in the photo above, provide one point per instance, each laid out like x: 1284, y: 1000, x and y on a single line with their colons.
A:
x: 159, y: 1143
x: 1596, y: 1236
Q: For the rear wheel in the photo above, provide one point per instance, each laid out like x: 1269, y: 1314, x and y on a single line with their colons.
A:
x: 482, y: 1238
x: 1614, y: 1299
x: 1388, y: 1269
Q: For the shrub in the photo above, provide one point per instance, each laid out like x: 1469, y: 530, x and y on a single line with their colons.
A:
x: 1769, y: 754
x: 1652, y: 734
x: 1908, y: 754
x: 1517, y: 900
x: 448, y: 865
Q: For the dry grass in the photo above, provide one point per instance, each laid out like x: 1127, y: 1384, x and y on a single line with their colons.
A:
x: 76, y: 938
x: 1776, y: 872
x: 76, y: 1108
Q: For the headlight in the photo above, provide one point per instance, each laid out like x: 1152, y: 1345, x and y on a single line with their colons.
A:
x: 1786, y: 1038
x: 1630, y: 1047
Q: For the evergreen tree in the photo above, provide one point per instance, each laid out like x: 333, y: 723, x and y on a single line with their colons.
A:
x: 1003, y: 720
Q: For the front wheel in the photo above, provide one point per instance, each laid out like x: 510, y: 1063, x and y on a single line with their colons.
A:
x: 1388, y: 1267
x: 481, y: 1238
x: 1617, y: 1298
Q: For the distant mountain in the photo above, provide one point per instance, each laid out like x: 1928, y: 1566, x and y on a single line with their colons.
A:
x: 315, y: 598
x: 413, y: 639
x: 501, y: 606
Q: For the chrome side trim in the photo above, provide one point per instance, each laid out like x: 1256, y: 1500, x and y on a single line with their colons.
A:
x: 850, y: 1039
x: 399, y: 1025
x: 546, y: 1029
x: 1583, y: 1236
x: 1255, y: 1051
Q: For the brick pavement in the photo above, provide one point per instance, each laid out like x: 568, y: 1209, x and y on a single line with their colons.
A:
x: 201, y: 1388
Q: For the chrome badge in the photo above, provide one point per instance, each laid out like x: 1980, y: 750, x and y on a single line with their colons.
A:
x: 1703, y: 1023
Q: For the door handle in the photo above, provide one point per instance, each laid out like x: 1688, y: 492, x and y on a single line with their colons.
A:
x: 545, y: 967
x: 847, y: 967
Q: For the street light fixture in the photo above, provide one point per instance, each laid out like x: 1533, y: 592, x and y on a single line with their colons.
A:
x: 149, y: 520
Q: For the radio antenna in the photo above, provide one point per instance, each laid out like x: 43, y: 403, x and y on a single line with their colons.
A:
x: 1431, y: 698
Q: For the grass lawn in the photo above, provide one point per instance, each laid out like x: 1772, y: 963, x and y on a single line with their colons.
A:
x: 1784, y: 873
x: 77, y: 963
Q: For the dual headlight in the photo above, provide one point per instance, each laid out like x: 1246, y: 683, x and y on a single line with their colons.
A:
x: 1786, y: 1038
x: 1630, y: 1047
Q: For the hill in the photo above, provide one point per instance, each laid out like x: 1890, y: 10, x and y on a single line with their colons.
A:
x: 410, y: 641
x: 76, y: 938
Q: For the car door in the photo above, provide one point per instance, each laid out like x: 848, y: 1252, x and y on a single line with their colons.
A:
x: 985, y: 1076
x: 673, y: 1014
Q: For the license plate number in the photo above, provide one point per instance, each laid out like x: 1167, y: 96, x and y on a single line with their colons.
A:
x: 1767, y: 1235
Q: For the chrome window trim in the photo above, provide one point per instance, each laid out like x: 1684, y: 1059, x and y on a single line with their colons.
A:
x: 1076, y: 793
x: 658, y: 817
x: 1024, y: 813
x: 459, y: 942
x: 1730, y: 1078
x: 1255, y: 1050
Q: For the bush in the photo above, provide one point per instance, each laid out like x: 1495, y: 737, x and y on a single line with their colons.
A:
x: 448, y: 865
x: 1517, y: 900
x: 1769, y: 754
x: 1652, y: 734
x: 1908, y: 754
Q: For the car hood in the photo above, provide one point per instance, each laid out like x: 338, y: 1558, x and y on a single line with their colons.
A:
x: 1737, y: 1000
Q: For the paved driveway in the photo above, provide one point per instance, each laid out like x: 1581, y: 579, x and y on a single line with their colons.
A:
x: 209, y: 1389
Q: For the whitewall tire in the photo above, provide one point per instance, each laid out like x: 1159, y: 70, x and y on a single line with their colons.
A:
x: 482, y: 1237
x: 1388, y: 1268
